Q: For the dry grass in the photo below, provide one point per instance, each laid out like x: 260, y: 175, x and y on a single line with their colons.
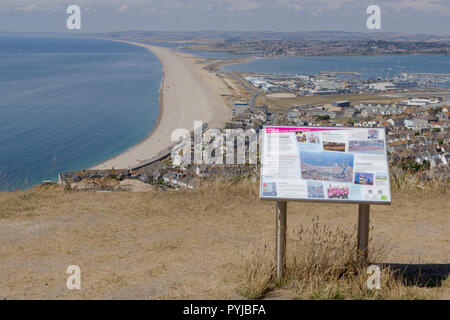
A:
x: 323, y: 264
x: 406, y: 182
x: 194, y: 243
x: 257, y: 274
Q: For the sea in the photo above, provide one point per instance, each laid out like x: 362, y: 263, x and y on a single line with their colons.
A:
x: 70, y: 103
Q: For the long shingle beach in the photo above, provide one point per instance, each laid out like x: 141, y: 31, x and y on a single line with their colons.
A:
x: 188, y: 93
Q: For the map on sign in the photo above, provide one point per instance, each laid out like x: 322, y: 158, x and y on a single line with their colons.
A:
x: 325, y: 164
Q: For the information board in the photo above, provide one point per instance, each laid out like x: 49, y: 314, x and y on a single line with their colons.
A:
x: 334, y: 164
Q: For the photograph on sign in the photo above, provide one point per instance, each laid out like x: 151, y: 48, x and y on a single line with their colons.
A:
x: 325, y: 164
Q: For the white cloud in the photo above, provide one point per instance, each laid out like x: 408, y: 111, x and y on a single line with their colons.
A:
x: 38, y: 8
x: 325, y: 6
x: 173, y: 4
x: 337, y: 4
x: 30, y: 8
x: 290, y: 4
x: 219, y: 14
x: 242, y: 5
x: 123, y: 8
x: 429, y: 6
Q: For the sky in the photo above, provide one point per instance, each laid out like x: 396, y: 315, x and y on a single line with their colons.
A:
x: 410, y: 16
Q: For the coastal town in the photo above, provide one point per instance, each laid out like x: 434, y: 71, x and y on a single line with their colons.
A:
x: 304, y: 43
x: 416, y: 125
x: 292, y: 48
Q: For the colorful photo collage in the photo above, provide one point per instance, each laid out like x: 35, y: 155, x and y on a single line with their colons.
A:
x: 330, y: 161
x: 333, y: 191
x: 269, y: 189
x: 366, y: 146
x: 312, y: 141
x: 327, y: 166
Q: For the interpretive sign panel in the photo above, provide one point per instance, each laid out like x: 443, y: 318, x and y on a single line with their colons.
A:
x: 333, y: 164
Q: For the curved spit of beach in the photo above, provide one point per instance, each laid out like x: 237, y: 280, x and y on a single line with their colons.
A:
x: 188, y: 93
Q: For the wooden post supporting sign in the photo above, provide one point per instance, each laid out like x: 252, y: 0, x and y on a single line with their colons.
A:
x: 280, y: 242
x: 363, y: 232
x: 280, y: 239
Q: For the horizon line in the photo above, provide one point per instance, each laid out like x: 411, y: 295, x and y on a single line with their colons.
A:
x: 226, y: 31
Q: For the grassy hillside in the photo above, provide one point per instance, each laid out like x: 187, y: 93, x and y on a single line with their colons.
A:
x: 213, y: 242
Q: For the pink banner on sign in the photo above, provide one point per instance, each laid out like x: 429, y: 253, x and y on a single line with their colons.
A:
x: 299, y: 129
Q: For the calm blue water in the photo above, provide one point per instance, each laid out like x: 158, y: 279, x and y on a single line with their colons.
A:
x: 370, y: 67
x: 67, y: 104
